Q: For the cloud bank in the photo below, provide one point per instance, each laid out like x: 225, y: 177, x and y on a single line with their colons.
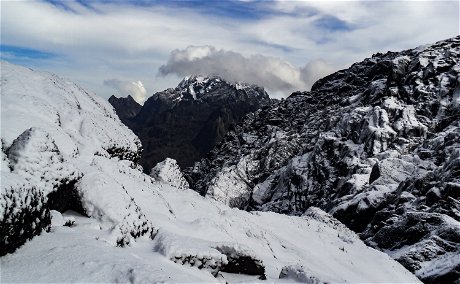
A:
x: 275, y: 74
x: 136, y: 89
x: 92, y: 41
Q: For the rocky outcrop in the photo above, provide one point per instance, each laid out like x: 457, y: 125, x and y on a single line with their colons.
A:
x: 37, y: 171
x: 126, y: 108
x: 377, y: 145
x: 169, y: 172
x: 186, y: 122
x: 241, y: 261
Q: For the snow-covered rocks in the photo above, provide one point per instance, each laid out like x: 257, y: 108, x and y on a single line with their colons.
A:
x: 298, y: 273
x: 35, y: 156
x: 168, y: 235
x: 184, y: 123
x: 369, y: 144
x: 51, y: 132
x: 190, y: 252
x: 200, y: 240
x: 58, y: 220
x: 37, y: 172
x: 169, y: 172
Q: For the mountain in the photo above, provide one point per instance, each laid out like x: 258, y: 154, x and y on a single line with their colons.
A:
x: 376, y: 145
x: 76, y: 207
x: 186, y: 122
x: 126, y: 108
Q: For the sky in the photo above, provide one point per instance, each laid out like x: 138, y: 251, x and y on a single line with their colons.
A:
x: 140, y: 47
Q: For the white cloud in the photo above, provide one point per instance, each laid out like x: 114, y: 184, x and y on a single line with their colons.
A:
x: 275, y: 74
x: 124, y: 88
x: 124, y: 41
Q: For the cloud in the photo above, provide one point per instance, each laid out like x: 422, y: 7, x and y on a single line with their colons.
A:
x: 135, y: 89
x: 275, y: 74
x: 126, y: 40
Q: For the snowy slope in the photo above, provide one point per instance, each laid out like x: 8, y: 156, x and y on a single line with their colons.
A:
x: 80, y: 123
x: 193, y: 233
x: 61, y: 150
x: 51, y: 131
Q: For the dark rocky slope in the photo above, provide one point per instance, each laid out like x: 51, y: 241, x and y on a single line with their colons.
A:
x: 126, y: 108
x: 186, y: 122
x: 377, y: 145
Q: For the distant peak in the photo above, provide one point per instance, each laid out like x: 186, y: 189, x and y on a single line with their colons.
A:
x: 199, y: 79
x: 197, y: 85
x: 128, y: 98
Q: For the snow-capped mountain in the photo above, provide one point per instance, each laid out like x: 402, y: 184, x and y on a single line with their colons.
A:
x: 75, y: 207
x: 376, y: 145
x: 186, y: 122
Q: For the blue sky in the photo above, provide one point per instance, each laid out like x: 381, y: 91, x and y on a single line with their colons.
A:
x: 92, y: 42
x: 23, y: 53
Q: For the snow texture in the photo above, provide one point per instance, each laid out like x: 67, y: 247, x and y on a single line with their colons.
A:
x: 169, y: 172
x: 169, y: 235
x: 377, y: 145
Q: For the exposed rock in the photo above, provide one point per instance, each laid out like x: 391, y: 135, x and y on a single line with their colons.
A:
x: 126, y: 108
x: 377, y: 145
x: 241, y: 261
x: 186, y: 122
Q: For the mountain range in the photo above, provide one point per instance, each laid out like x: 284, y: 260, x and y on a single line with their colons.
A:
x: 376, y: 145
x: 186, y: 122
x: 357, y: 180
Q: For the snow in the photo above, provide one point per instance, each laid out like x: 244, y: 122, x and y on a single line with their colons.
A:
x: 40, y: 162
x: 326, y: 251
x: 232, y: 177
x: 79, y: 122
x: 165, y: 234
x: 456, y: 95
x: 56, y: 219
x: 168, y: 171
x: 75, y: 254
x: 240, y: 86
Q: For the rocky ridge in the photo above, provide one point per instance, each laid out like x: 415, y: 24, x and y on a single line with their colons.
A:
x: 186, y: 122
x: 126, y: 108
x: 376, y: 145
x: 71, y: 192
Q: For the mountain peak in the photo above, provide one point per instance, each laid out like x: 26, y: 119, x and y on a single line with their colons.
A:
x: 194, y: 87
x: 126, y: 108
x: 184, y: 123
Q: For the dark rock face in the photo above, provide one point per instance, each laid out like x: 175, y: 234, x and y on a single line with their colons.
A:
x: 241, y: 263
x: 126, y: 108
x: 377, y: 145
x: 185, y: 123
